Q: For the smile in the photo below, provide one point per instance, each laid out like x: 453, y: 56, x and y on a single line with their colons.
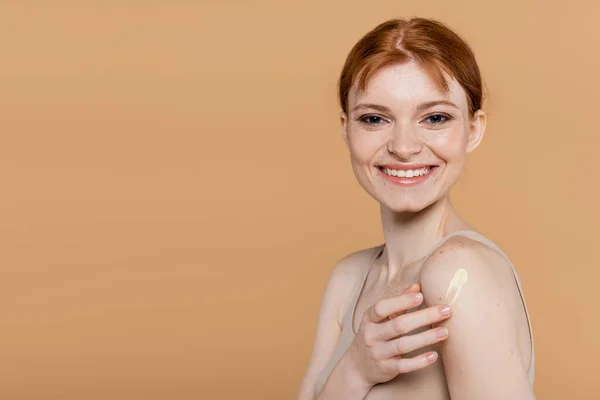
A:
x: 409, y: 173
x: 405, y: 175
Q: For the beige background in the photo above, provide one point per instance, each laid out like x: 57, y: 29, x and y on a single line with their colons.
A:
x: 175, y: 191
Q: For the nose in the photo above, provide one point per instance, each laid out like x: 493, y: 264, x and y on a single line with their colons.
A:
x: 404, y: 143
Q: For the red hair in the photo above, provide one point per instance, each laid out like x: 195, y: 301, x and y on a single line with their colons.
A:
x: 429, y: 42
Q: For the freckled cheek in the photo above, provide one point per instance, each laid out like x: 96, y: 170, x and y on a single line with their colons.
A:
x: 363, y: 150
x: 447, y: 147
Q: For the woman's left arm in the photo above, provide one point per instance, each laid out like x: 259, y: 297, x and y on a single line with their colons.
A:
x: 482, y: 357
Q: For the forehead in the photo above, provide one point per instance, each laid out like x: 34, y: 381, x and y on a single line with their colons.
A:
x: 407, y: 84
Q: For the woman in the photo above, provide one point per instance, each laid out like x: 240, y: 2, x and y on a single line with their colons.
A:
x: 437, y: 311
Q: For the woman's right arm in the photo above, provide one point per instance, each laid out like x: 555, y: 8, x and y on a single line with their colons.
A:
x: 338, y: 289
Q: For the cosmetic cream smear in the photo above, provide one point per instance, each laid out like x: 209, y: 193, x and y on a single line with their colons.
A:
x: 460, y: 278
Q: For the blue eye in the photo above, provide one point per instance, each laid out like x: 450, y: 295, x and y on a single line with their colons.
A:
x: 371, y: 120
x: 436, y: 119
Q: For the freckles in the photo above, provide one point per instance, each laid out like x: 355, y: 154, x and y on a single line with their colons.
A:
x: 365, y: 147
x: 448, y: 143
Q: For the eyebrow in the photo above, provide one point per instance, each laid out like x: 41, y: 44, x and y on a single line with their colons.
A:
x: 420, y: 107
x: 429, y: 104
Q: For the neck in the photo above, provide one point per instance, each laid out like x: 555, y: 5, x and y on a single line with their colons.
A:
x: 411, y: 236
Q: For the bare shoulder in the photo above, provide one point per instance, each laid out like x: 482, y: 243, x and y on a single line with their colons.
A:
x: 354, y: 264
x: 482, y: 354
x: 346, y: 273
x: 483, y: 267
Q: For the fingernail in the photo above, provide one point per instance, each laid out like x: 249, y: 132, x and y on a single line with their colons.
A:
x: 445, y: 310
x: 442, y: 332
x: 432, y: 357
x: 417, y: 297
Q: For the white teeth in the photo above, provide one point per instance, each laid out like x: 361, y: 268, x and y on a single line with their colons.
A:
x: 406, y: 173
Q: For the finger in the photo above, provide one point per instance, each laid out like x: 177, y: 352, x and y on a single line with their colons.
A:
x: 414, y: 288
x: 409, y: 343
x: 410, y: 321
x: 391, y: 305
x: 405, y: 365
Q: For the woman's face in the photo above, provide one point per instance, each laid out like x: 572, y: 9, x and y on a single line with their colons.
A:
x: 407, y: 138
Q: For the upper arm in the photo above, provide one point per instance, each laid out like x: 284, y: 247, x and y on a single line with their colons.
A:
x: 482, y: 356
x: 341, y: 281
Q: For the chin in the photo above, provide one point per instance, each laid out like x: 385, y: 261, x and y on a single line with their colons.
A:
x: 409, y: 203
x: 403, y: 200
x: 402, y: 207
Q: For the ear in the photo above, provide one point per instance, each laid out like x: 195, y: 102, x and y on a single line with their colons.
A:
x: 476, y: 130
x: 344, y: 121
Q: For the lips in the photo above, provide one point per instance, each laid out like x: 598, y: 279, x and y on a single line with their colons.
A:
x: 406, y: 174
x: 406, y: 167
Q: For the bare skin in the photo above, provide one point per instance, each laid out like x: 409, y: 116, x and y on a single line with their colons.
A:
x: 399, y: 122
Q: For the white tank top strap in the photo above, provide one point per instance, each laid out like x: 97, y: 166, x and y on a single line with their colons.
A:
x: 471, y: 235
x: 347, y: 318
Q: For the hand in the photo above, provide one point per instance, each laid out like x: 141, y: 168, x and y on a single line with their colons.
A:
x: 377, y: 349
